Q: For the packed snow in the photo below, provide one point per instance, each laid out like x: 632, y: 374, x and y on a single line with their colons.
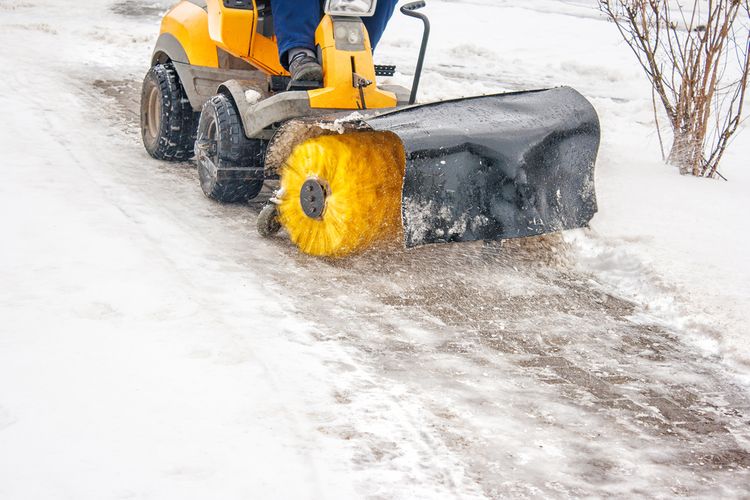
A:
x: 152, y: 345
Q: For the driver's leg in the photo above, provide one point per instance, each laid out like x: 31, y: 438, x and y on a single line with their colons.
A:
x: 295, y: 22
x: 376, y: 24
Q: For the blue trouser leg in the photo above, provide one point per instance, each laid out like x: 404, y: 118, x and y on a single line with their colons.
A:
x: 295, y: 22
x: 376, y: 24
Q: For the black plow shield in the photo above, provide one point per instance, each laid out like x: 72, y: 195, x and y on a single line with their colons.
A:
x: 498, y: 166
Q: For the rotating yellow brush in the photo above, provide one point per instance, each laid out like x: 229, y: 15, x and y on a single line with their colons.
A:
x: 342, y: 193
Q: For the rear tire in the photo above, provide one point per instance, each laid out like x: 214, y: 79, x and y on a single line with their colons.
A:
x: 221, y: 145
x: 168, y: 122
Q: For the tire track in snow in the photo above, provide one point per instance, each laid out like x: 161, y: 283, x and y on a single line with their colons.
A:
x: 462, y: 340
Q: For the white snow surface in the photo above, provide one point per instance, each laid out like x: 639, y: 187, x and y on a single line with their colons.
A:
x: 152, y: 346
x: 252, y: 96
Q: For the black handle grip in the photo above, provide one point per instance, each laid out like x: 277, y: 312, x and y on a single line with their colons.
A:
x: 408, y: 10
x: 412, y: 6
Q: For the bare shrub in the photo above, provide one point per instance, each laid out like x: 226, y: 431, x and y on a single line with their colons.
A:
x: 695, y: 54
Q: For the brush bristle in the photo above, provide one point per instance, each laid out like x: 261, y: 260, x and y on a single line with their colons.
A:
x: 364, y: 174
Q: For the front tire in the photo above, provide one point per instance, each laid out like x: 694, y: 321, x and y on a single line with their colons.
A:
x: 168, y: 122
x: 222, y: 150
x: 268, y: 221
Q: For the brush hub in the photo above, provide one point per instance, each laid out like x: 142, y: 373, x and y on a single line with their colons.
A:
x: 312, y: 197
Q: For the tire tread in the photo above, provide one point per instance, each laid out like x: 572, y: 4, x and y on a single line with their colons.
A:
x: 234, y: 150
x: 179, y: 123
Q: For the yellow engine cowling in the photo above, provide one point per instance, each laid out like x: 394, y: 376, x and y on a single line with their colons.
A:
x: 339, y: 65
x: 231, y: 28
x: 234, y: 30
x: 201, y: 32
x: 187, y: 23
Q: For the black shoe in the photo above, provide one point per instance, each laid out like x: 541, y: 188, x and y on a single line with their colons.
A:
x: 305, y: 68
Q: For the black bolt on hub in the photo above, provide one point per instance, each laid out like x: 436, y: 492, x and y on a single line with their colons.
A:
x: 312, y: 197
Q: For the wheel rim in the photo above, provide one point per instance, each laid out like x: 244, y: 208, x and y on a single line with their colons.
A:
x: 153, y: 117
x: 312, y: 198
x: 213, y: 150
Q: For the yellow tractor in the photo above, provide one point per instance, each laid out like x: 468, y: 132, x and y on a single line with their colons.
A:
x: 356, y: 162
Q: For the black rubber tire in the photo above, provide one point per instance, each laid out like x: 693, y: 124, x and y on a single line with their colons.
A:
x: 221, y: 140
x: 268, y: 221
x: 168, y: 122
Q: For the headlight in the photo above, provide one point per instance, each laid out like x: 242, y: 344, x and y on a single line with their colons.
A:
x: 360, y: 8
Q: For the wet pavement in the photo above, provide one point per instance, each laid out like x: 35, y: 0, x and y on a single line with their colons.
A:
x: 532, y: 377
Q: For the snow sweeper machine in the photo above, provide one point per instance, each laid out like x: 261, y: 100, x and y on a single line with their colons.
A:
x: 352, y: 161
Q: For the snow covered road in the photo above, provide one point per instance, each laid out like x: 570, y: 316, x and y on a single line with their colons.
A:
x: 152, y: 345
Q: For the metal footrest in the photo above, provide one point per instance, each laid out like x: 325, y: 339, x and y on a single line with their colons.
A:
x: 385, y: 70
x: 283, y: 83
